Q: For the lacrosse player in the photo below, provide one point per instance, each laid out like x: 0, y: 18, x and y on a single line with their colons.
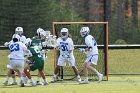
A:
x: 19, y: 31
x: 36, y: 61
x: 16, y: 56
x: 92, y: 54
x: 65, y: 46
x: 36, y: 41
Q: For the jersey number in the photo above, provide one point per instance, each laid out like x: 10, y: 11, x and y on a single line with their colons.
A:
x: 38, y: 52
x: 64, y: 48
x: 14, y: 47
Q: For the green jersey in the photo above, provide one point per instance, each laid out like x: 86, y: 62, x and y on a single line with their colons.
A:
x: 37, y: 57
x: 36, y: 41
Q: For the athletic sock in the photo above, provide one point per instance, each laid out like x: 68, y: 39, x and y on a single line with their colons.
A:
x: 7, y: 78
x: 78, y: 76
x: 31, y: 80
x: 14, y: 80
x: 38, y: 79
x: 86, y: 78
x: 44, y: 80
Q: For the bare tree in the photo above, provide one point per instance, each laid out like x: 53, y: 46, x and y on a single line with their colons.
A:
x: 120, y: 19
x: 135, y: 13
x: 107, y: 10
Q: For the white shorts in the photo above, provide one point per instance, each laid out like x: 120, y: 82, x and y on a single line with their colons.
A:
x: 62, y: 61
x: 92, y: 59
x: 16, y: 64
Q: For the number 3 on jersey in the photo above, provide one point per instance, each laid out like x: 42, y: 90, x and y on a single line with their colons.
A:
x: 14, y: 47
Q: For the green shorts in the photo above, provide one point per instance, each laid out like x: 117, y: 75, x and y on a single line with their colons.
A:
x: 37, y: 65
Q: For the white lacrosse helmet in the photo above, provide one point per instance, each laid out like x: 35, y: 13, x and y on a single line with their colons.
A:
x: 19, y: 30
x: 64, y: 33
x: 16, y: 36
x: 84, y: 31
x: 39, y: 30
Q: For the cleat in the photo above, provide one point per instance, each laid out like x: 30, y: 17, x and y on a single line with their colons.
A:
x: 32, y: 84
x: 45, y: 83
x: 100, y: 77
x: 5, y: 83
x: 53, y: 79
x: 22, y: 85
x: 38, y: 83
x: 79, y: 79
x: 14, y: 83
x: 84, y: 82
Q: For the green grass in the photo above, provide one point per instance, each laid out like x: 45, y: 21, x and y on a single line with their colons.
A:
x: 124, y: 61
x: 116, y: 84
x: 120, y: 61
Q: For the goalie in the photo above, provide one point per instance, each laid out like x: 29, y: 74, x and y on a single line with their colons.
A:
x: 65, y: 46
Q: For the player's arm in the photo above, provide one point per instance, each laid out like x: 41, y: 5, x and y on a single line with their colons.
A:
x: 29, y: 57
x: 88, y: 48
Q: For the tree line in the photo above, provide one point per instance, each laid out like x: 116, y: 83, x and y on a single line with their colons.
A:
x: 31, y: 14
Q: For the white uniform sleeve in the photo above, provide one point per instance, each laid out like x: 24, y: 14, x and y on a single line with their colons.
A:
x: 71, y: 45
x: 23, y: 39
x: 24, y: 46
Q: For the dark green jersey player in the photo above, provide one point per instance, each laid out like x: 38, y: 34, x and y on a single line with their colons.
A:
x: 36, y: 62
x: 37, y: 58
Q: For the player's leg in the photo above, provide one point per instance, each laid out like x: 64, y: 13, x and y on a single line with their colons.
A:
x: 61, y: 62
x: 85, y: 70
x: 94, y: 61
x: 43, y: 77
x: 10, y: 67
x: 100, y: 76
x: 8, y: 77
x: 72, y: 63
x: 54, y: 78
x: 76, y: 73
x: 38, y: 79
x: 13, y: 77
x: 20, y: 69
x: 40, y: 67
x: 27, y: 72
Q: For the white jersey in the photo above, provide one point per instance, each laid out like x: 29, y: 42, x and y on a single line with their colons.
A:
x: 23, y: 39
x: 91, y: 42
x: 65, y: 46
x: 17, y: 50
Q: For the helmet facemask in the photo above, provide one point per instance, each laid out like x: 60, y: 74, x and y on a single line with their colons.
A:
x: 64, y: 33
x: 84, y: 31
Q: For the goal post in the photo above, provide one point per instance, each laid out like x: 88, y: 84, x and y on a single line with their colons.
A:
x: 99, y: 30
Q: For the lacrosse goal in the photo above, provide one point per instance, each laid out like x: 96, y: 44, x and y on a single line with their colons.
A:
x: 100, y: 32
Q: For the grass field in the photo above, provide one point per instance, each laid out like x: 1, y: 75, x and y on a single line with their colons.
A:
x: 116, y: 84
x: 120, y: 62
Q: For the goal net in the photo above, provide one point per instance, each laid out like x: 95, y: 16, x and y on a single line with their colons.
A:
x: 100, y: 32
